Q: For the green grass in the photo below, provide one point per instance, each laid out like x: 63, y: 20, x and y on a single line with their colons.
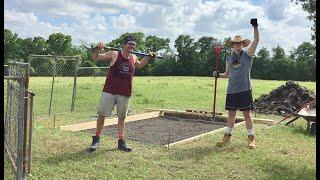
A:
x: 148, y: 92
x: 283, y: 152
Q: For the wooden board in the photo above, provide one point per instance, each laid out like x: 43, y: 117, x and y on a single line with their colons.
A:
x: 255, y: 120
x: 201, y: 135
x: 108, y: 122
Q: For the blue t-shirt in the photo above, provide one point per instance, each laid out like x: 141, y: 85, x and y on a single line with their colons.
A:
x: 239, y: 72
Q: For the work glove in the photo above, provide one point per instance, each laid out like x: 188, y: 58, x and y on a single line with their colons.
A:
x: 100, y: 46
x: 216, y: 74
x: 254, y: 22
x: 152, y: 55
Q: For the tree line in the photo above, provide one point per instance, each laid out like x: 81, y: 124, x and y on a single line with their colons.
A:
x: 193, y: 57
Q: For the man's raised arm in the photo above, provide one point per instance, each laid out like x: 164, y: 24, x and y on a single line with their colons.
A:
x: 254, y: 44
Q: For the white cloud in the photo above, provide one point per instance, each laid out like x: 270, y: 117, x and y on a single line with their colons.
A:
x: 155, y: 2
x: 27, y: 24
x: 123, y: 22
x: 275, y: 9
x: 280, y: 22
x: 226, y: 16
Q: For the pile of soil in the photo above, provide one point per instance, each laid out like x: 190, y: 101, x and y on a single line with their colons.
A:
x: 284, y: 100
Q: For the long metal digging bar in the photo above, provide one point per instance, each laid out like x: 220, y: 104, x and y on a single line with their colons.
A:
x: 116, y: 49
x: 217, y: 53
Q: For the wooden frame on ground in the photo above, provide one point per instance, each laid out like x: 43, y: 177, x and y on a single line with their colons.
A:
x: 162, y: 112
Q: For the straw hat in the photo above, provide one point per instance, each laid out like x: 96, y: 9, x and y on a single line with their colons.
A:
x: 238, y: 38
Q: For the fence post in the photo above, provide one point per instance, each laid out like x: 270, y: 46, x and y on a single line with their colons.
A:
x: 20, y: 159
x: 52, y: 84
x: 30, y: 131
x: 25, y: 115
x: 8, y: 108
x: 74, y: 90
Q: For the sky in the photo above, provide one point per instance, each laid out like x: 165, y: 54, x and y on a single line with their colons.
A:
x: 280, y: 22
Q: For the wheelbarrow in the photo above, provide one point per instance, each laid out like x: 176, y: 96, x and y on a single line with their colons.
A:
x: 309, y: 114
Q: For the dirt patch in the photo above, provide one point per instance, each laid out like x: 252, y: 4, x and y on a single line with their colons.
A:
x: 284, y: 100
x: 157, y: 130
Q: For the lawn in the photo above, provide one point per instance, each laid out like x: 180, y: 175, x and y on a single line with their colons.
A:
x: 283, y: 152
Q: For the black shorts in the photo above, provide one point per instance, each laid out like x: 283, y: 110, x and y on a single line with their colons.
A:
x: 241, y: 101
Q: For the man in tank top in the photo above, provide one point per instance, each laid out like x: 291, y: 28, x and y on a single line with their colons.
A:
x: 239, y: 92
x: 118, y: 87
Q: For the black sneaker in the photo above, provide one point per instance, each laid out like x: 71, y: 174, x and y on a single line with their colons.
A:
x: 95, y: 143
x: 123, y: 146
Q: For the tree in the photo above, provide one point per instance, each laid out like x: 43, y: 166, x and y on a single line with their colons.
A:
x: 59, y: 44
x: 263, y: 54
x: 205, y: 58
x: 261, y: 64
x: 154, y: 44
x: 227, y: 51
x: 305, y: 52
x: 282, y: 69
x: 10, y: 45
x: 40, y: 45
x: 305, y: 58
x: 278, y: 53
x: 310, y: 7
x: 150, y: 43
x: 164, y: 68
x: 305, y: 70
x: 194, y: 57
x: 186, y: 64
x: 26, y: 48
x: 140, y: 46
x: 139, y: 39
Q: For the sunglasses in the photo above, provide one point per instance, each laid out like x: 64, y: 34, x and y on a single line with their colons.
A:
x: 132, y: 44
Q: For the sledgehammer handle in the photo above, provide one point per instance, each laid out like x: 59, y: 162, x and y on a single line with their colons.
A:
x: 214, y: 97
x: 217, y: 52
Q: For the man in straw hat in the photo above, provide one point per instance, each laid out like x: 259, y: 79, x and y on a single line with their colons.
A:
x: 239, y: 95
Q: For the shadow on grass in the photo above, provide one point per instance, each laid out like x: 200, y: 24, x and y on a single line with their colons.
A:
x: 81, y: 155
x: 202, y: 152
x: 300, y: 128
x: 276, y: 169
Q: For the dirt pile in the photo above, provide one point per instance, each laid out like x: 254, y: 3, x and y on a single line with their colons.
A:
x: 284, y: 100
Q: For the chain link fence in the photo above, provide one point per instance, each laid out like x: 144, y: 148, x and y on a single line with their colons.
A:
x: 89, y: 83
x: 18, y: 118
x: 64, y: 86
x: 53, y: 77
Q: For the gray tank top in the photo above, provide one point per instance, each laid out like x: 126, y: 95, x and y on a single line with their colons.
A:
x: 239, y: 72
